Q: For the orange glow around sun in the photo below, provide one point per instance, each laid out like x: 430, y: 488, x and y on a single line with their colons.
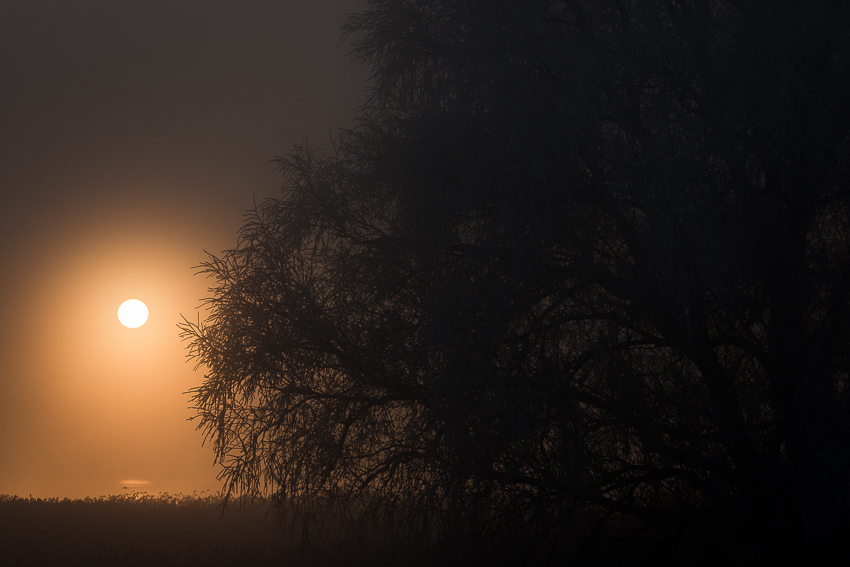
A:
x: 109, y: 405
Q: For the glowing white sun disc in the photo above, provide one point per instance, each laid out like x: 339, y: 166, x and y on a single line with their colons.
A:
x: 133, y: 313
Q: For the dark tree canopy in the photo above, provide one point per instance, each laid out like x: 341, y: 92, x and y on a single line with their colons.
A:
x: 578, y: 260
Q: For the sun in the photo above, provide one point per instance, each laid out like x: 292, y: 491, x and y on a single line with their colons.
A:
x: 133, y: 313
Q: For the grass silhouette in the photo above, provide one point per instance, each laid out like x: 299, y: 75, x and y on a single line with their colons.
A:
x: 137, y: 528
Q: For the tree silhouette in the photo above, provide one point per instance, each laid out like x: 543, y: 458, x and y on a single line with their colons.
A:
x: 578, y: 261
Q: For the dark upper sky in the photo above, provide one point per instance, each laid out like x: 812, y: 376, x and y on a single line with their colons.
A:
x: 133, y: 135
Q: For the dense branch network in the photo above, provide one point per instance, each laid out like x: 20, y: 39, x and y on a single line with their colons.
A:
x: 576, y: 255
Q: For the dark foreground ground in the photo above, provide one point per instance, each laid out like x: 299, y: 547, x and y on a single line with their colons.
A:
x: 137, y: 529
x: 143, y: 530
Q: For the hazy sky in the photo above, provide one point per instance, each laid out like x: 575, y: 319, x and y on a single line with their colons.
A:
x: 133, y: 135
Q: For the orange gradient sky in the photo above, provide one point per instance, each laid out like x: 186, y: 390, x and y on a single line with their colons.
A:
x: 133, y: 136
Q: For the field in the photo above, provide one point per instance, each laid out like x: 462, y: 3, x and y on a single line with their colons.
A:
x: 140, y: 529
